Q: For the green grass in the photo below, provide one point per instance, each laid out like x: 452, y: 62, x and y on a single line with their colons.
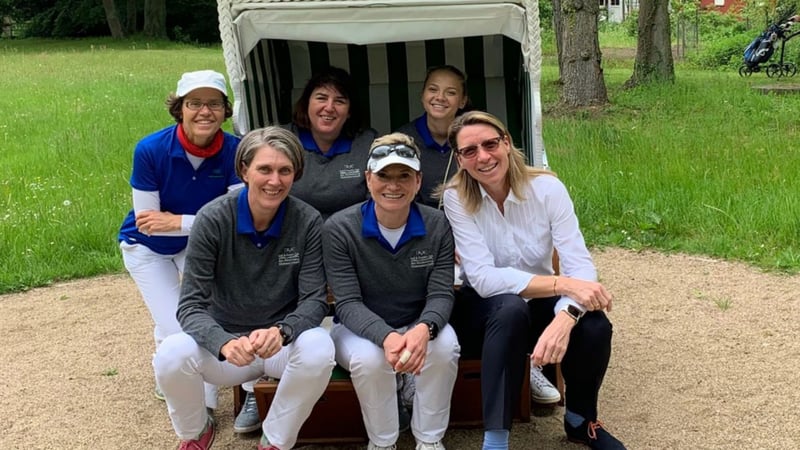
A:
x: 706, y: 166
x: 72, y: 112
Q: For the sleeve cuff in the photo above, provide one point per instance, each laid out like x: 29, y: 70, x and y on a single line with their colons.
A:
x: 187, y: 220
x: 564, y: 302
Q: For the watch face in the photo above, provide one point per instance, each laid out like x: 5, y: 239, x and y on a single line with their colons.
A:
x: 574, y: 312
x: 432, y: 329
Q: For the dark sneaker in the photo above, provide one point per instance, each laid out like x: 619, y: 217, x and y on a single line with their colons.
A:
x: 594, y: 435
x: 248, y: 419
x: 203, y: 442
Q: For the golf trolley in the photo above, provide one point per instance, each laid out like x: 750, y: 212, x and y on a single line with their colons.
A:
x: 761, y: 49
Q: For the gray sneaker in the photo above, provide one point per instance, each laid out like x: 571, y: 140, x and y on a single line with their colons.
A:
x: 248, y: 419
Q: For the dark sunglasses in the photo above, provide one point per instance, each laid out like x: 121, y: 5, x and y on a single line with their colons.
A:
x: 471, y: 151
x: 402, y: 150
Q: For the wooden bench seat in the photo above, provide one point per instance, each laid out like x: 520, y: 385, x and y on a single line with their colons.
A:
x: 336, y: 418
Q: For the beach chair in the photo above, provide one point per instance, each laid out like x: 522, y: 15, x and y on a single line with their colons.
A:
x: 272, y: 47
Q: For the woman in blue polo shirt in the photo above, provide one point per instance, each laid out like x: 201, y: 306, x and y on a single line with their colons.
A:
x: 176, y: 171
x: 327, y: 119
x: 444, y: 95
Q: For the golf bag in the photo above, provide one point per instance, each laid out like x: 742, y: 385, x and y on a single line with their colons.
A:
x: 762, y: 47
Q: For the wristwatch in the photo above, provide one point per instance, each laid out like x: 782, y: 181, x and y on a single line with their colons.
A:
x: 286, y: 333
x: 433, y: 329
x: 574, y: 312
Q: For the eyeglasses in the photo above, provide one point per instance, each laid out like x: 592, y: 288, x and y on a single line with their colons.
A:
x: 197, y: 105
x: 471, y: 151
x: 402, y: 150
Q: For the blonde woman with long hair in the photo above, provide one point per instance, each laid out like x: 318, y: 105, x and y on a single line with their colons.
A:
x: 507, y: 218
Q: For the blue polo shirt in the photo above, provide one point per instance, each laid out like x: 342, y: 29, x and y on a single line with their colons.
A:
x: 415, y: 227
x: 244, y: 222
x: 422, y: 128
x: 340, y: 145
x: 160, y: 164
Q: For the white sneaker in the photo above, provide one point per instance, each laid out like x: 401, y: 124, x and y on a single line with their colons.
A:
x: 429, y: 445
x: 542, y: 390
x: 372, y: 446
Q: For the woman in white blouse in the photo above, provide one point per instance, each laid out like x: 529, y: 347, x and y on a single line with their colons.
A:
x: 507, y: 218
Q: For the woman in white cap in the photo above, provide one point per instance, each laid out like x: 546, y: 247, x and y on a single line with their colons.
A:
x: 389, y: 263
x: 176, y: 171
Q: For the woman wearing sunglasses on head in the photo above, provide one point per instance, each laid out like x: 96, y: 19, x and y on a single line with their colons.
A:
x: 176, y: 171
x: 389, y: 262
x: 444, y: 95
x: 507, y: 218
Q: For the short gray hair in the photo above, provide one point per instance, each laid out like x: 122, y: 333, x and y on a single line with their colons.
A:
x: 282, y: 140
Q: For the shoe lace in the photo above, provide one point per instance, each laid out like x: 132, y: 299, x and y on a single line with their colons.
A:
x: 592, y: 428
x: 539, y: 379
x: 190, y: 445
x: 250, y: 404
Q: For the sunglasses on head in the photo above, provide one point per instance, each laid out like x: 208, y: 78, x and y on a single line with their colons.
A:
x: 471, y: 151
x: 402, y: 150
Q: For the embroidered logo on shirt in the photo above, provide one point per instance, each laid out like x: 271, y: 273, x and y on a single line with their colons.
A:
x: 349, y: 171
x: 288, y: 256
x: 421, y: 258
x: 216, y: 173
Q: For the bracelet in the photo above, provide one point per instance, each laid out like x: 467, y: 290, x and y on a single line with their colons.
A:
x: 555, y: 281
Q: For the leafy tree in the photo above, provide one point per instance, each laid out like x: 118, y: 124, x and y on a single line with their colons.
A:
x: 579, y: 57
x: 131, y: 13
x: 654, y: 61
x: 155, y: 18
x: 113, y: 19
x: 68, y: 18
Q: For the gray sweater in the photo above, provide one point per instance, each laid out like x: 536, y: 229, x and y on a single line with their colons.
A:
x: 332, y: 184
x: 378, y: 291
x: 231, y: 287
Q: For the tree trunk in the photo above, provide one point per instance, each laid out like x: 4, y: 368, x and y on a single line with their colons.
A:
x: 113, y: 19
x: 130, y: 16
x: 155, y: 18
x: 558, y: 28
x: 581, y: 73
x: 653, y: 49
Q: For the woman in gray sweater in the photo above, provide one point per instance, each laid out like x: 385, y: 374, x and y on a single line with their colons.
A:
x: 389, y: 263
x: 252, y: 299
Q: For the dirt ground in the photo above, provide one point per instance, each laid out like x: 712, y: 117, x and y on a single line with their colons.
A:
x: 706, y: 355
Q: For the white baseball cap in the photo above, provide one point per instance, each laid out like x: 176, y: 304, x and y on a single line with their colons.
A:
x: 201, y: 79
x: 395, y: 154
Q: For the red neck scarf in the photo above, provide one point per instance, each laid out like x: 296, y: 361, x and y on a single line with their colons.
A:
x: 196, y: 150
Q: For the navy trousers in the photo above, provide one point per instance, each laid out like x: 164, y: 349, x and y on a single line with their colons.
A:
x: 502, y: 330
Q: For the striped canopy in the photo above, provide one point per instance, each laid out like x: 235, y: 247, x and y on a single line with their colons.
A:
x: 272, y: 48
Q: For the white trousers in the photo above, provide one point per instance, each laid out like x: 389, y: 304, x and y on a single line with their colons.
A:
x: 158, y: 278
x: 304, y: 368
x: 376, y: 385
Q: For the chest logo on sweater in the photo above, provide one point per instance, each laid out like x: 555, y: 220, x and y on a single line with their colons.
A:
x: 421, y: 258
x: 349, y: 171
x: 288, y: 256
